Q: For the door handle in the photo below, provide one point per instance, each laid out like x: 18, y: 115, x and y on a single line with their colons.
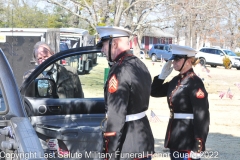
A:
x: 55, y: 109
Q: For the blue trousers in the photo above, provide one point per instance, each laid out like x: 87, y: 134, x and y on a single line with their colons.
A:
x: 180, y: 155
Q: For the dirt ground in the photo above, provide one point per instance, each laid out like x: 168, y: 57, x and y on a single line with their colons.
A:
x: 223, y: 140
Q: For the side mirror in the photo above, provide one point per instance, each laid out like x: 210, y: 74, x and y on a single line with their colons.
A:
x: 221, y: 54
x: 45, y: 88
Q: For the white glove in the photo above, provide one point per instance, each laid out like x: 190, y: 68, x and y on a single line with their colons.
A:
x: 195, y: 155
x: 166, y: 70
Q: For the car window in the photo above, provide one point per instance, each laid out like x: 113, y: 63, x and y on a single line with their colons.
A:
x: 218, y: 52
x: 203, y: 50
x: 206, y: 50
x: 79, y: 77
x: 155, y: 46
x: 93, y: 83
x: 230, y: 53
x: 2, y: 104
x: 161, y: 47
x: 167, y: 48
x: 212, y: 51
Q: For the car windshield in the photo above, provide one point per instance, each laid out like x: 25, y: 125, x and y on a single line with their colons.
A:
x: 230, y: 53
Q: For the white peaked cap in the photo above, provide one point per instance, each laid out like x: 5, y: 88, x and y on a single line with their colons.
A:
x: 113, y: 31
x: 183, y: 50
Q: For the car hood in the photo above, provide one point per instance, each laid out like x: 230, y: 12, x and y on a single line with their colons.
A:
x: 236, y: 57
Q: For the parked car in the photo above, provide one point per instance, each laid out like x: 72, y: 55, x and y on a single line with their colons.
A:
x: 35, y: 123
x: 93, y: 58
x: 213, y: 56
x: 16, y: 132
x: 63, y: 46
x: 83, y: 63
x: 142, y: 54
x: 101, y: 54
x: 160, y: 51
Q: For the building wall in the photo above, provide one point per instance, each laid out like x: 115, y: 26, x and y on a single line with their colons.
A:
x: 147, y: 42
x: 155, y: 40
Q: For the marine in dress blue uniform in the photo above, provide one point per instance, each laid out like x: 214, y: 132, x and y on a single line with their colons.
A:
x: 187, y: 99
x: 127, y: 91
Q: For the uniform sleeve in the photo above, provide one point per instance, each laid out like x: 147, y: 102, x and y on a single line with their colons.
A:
x: 158, y: 89
x: 118, y: 92
x: 199, y: 101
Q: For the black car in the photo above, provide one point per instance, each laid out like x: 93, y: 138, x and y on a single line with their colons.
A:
x: 49, y: 126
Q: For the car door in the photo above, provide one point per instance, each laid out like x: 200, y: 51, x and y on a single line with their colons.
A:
x: 211, y: 56
x: 74, y: 124
x: 163, y: 52
x: 219, y: 57
x: 159, y: 51
x: 17, y: 136
x: 167, y: 52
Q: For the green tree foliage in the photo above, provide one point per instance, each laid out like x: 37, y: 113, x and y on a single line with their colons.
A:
x: 63, y: 18
x: 27, y: 16
x: 54, y: 21
x: 2, y: 14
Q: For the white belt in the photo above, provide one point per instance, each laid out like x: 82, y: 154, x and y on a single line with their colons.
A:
x: 183, y: 116
x: 133, y: 117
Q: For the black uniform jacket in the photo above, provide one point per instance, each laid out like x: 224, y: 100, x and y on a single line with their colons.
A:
x: 127, y: 91
x: 185, y: 94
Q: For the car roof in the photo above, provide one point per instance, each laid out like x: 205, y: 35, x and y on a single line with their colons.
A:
x: 214, y: 47
x: 161, y: 44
